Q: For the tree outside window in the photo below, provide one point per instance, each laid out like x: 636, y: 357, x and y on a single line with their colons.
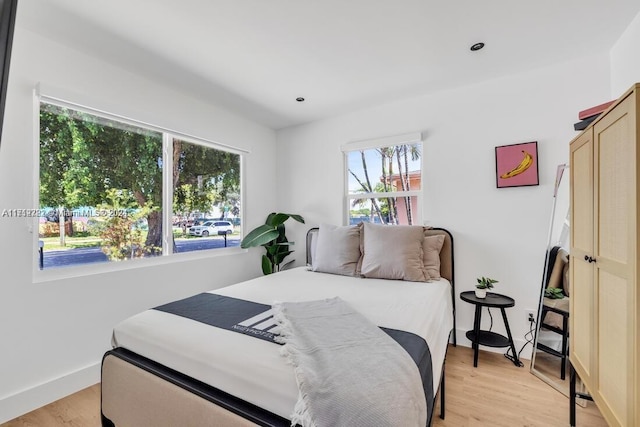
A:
x: 101, y: 187
x: 385, y: 184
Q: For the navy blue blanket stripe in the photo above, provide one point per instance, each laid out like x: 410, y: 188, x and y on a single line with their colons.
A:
x: 419, y: 351
x: 232, y: 313
x: 220, y: 311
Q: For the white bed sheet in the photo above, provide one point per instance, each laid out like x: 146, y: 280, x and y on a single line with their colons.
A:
x: 253, y: 369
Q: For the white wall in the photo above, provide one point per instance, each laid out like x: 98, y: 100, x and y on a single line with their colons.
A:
x: 501, y: 233
x: 625, y: 61
x: 53, y: 334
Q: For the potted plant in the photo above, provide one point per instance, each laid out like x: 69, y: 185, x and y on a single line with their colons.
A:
x: 554, y: 293
x: 483, y: 284
x: 272, y: 237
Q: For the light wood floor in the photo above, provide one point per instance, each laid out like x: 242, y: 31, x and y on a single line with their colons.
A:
x: 496, y: 393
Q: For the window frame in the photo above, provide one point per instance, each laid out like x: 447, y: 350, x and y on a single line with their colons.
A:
x: 370, y: 144
x: 168, y: 135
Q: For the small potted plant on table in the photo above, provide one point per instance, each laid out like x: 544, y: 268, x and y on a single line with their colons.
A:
x: 484, y: 283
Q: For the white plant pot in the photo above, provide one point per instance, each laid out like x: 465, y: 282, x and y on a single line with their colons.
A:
x: 481, y: 293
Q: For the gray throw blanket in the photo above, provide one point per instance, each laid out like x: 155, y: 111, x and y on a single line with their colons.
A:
x: 349, y: 372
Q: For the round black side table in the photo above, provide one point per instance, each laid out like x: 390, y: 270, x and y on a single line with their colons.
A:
x: 489, y: 338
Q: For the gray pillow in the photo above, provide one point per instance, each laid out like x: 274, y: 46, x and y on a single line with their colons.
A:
x: 393, y: 252
x: 431, y: 247
x: 338, y: 250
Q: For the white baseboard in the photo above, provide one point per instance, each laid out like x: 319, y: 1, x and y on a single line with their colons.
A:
x: 27, y: 400
x: 517, y: 342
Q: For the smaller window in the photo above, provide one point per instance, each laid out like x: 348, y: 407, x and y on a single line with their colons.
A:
x: 384, y: 184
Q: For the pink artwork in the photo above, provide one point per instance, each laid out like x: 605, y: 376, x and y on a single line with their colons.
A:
x: 517, y: 165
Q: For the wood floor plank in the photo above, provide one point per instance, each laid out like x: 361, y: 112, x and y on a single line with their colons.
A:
x: 495, y: 394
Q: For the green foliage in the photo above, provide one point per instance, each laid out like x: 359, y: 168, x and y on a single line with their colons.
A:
x: 260, y: 236
x: 272, y: 236
x: 485, y: 283
x: 122, y: 237
x: 554, y: 293
x: 83, y: 157
x: 204, y: 177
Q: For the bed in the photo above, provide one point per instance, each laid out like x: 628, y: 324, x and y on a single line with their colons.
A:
x: 172, y: 365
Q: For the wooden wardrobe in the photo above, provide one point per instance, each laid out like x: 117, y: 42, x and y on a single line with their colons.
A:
x: 604, y: 319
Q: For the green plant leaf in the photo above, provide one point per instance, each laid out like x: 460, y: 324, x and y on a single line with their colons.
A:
x: 282, y: 233
x: 297, y: 218
x: 259, y: 236
x: 272, y: 236
x: 277, y: 219
x: 267, y: 267
x: 281, y: 256
x: 554, y: 293
x: 269, y: 218
x: 272, y: 250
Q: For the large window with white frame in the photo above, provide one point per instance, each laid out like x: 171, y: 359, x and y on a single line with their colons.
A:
x: 112, y: 189
x: 384, y: 180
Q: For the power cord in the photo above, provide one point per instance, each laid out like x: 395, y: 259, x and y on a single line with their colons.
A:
x: 491, y: 317
x: 532, y: 322
x: 529, y: 336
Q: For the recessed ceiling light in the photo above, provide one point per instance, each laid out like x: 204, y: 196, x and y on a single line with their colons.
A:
x: 300, y: 99
x: 477, y: 46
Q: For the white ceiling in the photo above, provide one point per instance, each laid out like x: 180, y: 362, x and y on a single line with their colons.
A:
x: 256, y: 56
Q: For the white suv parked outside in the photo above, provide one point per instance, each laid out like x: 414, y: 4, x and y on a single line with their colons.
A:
x: 211, y: 228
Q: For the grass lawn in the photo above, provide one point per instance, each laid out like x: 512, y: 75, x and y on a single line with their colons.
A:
x: 53, y: 243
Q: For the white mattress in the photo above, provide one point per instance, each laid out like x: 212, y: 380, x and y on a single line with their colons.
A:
x: 252, y: 369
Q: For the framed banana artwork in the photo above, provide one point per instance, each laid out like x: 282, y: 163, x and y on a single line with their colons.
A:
x: 517, y: 165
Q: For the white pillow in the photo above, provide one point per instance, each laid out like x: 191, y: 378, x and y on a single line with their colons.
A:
x: 393, y: 252
x: 338, y: 250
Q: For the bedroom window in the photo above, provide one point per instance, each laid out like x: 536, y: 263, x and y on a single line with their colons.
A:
x: 106, y: 193
x: 384, y: 180
x: 206, y: 197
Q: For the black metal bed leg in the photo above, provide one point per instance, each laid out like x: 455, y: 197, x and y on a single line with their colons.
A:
x: 572, y: 396
x: 455, y: 331
x: 442, y: 393
x: 105, y: 422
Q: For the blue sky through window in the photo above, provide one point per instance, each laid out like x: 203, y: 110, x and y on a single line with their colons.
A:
x: 374, y: 167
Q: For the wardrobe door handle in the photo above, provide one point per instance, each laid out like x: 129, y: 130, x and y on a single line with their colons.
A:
x: 589, y: 259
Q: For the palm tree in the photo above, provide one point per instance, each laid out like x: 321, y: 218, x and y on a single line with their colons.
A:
x: 386, y: 208
x: 382, y: 210
x: 366, y: 187
x: 386, y: 155
x: 405, y: 182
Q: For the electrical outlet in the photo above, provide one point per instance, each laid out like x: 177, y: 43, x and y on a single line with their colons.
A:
x: 531, y: 315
